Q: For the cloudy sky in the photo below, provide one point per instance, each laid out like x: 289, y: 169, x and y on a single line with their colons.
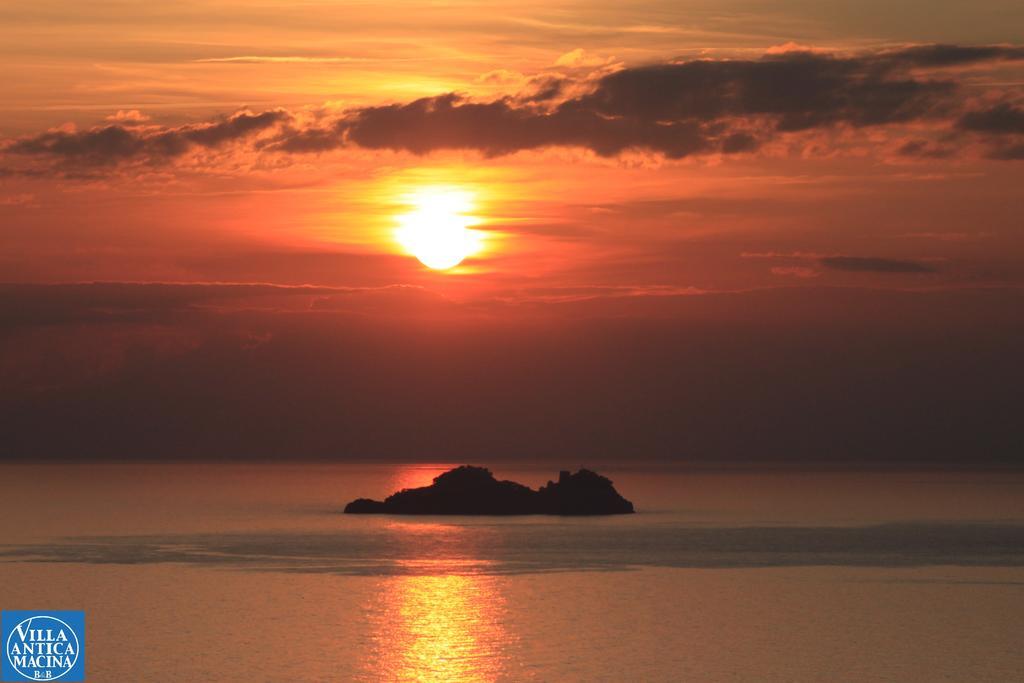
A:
x: 709, y: 231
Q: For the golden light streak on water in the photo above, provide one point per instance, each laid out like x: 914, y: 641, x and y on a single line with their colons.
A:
x: 439, y: 628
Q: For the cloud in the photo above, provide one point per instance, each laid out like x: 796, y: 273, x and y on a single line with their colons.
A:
x: 501, y: 77
x: 579, y: 58
x: 694, y: 107
x: 950, y: 236
x: 20, y: 199
x: 1008, y: 152
x: 1002, y: 118
x: 675, y: 109
x: 684, y: 108
x: 796, y: 271
x: 542, y: 89
x: 951, y: 55
x: 870, y: 264
x: 1002, y: 125
x: 121, y: 142
x: 296, y: 140
x: 850, y: 264
x: 500, y: 127
x: 128, y: 116
x: 238, y: 126
x: 925, y: 149
x: 779, y: 255
x: 790, y: 46
x: 792, y: 91
x: 279, y: 59
x: 119, y: 302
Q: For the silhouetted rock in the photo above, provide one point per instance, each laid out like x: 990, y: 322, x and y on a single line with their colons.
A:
x: 365, y: 505
x: 471, y: 490
x: 583, y: 493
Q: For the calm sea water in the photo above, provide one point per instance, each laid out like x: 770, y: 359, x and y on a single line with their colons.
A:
x: 251, y: 573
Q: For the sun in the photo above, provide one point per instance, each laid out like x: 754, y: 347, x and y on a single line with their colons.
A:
x: 437, y: 229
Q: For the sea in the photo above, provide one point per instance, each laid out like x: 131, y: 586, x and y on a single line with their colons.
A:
x: 250, y: 572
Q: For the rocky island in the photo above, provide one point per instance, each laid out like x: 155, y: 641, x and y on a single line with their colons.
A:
x: 469, y: 490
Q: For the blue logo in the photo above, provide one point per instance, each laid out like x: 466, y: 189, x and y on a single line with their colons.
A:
x: 43, y: 646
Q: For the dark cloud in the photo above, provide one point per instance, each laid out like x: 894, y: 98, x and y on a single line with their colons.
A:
x: 739, y: 142
x: 679, y: 109
x: 240, y: 125
x: 1008, y: 152
x: 304, y: 141
x: 107, y: 302
x: 795, y: 91
x: 676, y: 109
x: 924, y: 149
x: 110, y: 143
x: 118, y: 142
x: 685, y: 108
x: 868, y: 264
x: 543, y: 88
x: 1002, y: 126
x: 1003, y: 118
x: 138, y: 303
x: 501, y: 127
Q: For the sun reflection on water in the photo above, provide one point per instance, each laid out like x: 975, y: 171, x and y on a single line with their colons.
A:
x: 443, y: 616
x: 447, y: 627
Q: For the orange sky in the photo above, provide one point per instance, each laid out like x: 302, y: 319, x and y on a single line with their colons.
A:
x: 620, y: 157
x: 913, y: 189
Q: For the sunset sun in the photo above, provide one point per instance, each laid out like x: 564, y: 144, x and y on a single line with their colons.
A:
x: 437, y: 228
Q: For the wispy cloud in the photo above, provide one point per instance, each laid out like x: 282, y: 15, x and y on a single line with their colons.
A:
x: 840, y: 262
x: 871, y: 264
x: 282, y: 59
